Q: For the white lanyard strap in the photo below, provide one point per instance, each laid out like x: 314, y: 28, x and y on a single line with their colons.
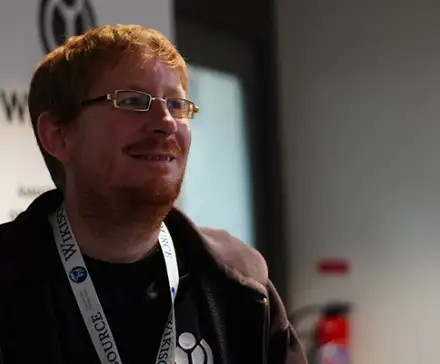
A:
x: 87, y: 298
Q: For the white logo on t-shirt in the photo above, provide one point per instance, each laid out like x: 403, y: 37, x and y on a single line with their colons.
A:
x: 187, y: 347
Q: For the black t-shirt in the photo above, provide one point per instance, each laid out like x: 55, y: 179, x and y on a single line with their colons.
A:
x: 136, y: 301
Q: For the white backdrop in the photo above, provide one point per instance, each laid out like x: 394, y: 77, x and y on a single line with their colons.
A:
x: 23, y: 26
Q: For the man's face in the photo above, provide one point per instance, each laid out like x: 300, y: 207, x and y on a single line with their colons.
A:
x: 140, y: 153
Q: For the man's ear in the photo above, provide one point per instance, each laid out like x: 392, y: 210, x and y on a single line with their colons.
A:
x: 52, y: 136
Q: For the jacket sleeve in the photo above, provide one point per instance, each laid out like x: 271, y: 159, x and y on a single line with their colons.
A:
x: 283, y: 345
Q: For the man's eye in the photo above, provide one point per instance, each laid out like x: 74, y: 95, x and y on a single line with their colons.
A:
x: 132, y: 101
x: 177, y: 104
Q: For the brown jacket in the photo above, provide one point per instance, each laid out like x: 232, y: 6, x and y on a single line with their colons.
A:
x: 248, y: 316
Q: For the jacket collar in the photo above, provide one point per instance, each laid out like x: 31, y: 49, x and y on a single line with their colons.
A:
x: 220, y: 250
x: 209, y: 250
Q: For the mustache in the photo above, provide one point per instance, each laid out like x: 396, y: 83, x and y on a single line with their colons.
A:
x: 154, y: 146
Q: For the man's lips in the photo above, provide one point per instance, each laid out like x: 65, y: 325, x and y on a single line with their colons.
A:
x: 152, y: 150
x: 153, y: 157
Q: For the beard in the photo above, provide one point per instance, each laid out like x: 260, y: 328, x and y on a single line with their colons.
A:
x: 153, y: 193
x: 147, y: 201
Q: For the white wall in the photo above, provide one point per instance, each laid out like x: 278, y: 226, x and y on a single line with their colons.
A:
x: 220, y: 137
x: 361, y: 128
x: 23, y: 173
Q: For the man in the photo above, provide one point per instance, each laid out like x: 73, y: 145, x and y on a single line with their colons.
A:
x: 103, y: 269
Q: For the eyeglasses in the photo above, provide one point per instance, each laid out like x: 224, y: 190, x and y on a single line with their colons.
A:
x: 141, y: 102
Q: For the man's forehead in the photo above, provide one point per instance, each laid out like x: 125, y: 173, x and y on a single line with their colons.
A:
x: 146, y: 61
x: 142, y: 73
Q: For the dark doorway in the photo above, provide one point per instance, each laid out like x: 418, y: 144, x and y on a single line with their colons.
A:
x: 238, y: 38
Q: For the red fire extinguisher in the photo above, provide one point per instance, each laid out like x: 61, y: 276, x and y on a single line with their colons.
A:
x: 332, y: 335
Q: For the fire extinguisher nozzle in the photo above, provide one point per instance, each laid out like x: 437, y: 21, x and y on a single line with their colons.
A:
x: 337, y: 309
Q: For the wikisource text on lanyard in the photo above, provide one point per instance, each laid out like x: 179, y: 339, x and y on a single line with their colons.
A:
x: 87, y: 298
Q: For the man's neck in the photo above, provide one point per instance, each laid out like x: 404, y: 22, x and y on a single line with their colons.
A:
x: 112, y: 232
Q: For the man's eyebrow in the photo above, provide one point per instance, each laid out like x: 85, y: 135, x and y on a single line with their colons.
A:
x: 169, y: 91
x: 174, y: 92
x: 136, y: 87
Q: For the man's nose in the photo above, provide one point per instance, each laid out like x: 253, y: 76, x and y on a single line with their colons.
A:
x: 159, y: 118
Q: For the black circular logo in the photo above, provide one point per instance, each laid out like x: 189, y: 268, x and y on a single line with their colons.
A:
x: 78, y: 274
x: 60, y: 19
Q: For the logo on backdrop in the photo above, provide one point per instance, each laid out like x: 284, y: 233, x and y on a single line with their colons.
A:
x: 189, y: 350
x: 60, y: 19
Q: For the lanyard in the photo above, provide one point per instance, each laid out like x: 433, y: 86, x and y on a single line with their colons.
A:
x: 87, y: 298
